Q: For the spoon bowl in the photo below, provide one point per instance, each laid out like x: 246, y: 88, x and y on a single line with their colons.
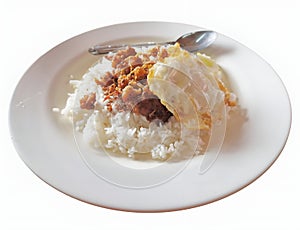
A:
x: 198, y: 40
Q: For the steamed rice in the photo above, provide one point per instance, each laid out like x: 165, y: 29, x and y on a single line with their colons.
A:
x: 124, y: 132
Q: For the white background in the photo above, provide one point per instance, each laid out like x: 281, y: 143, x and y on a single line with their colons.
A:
x: 30, y: 28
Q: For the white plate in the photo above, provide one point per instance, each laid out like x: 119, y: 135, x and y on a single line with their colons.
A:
x: 47, y: 145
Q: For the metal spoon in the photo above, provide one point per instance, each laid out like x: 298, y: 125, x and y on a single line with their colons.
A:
x: 191, y: 42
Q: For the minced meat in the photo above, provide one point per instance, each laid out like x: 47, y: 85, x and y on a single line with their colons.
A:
x: 127, y: 87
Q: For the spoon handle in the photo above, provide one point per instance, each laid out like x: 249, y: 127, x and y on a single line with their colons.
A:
x: 104, y: 49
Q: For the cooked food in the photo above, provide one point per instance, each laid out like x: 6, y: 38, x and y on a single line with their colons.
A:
x: 152, y: 101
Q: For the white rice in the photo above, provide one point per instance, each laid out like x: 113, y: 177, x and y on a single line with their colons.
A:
x: 126, y: 133
x: 123, y: 132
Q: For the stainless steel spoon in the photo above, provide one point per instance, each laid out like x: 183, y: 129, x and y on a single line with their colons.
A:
x: 191, y: 42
